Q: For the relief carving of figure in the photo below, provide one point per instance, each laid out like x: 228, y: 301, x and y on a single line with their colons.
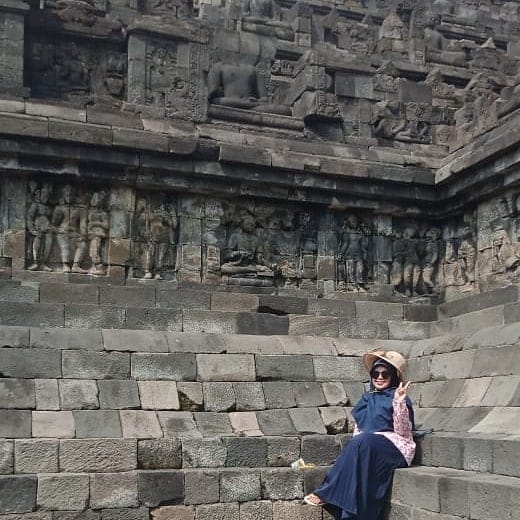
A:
x: 285, y: 244
x: 467, y: 255
x: 244, y: 256
x: 352, y: 254
x: 97, y: 231
x: 239, y: 85
x: 70, y: 223
x: 263, y: 18
x: 431, y: 258
x: 406, y: 270
x: 72, y: 74
x: 39, y: 226
x: 161, y: 225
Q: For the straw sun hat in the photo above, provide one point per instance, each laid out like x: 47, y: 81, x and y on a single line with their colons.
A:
x: 390, y: 356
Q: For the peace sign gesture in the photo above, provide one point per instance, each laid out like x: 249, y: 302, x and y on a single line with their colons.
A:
x: 401, y: 391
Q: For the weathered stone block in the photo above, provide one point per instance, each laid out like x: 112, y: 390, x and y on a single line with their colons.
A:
x: 244, y: 424
x: 215, y: 322
x: 285, y: 368
x: 114, y: 394
x: 76, y: 515
x: 111, y: 490
x: 304, y: 325
x: 97, y: 423
x: 14, y: 337
x: 71, y: 293
x: 241, y: 302
x: 94, y: 316
x: 183, y: 300
x: 100, y: 455
x: 17, y: 494
x: 6, y: 457
x: 201, y: 487
x: 203, y: 453
x: 176, y: 367
x: 178, y: 424
x: 239, y: 485
x: 219, y: 397
x: 36, y: 456
x: 17, y: 393
x: 140, y: 424
x: 420, y: 489
x: 217, y: 511
x: 322, y: 450
x: 159, y: 487
x: 307, y: 420
x: 32, y: 314
x: 281, y: 484
x: 246, y: 452
x: 134, y: 513
x: 47, y: 394
x: 275, y: 422
x: 308, y: 394
x: 77, y: 394
x: 66, y: 339
x: 279, y: 394
x: 190, y: 396
x: 30, y: 363
x: 153, y: 319
x: 334, y: 393
x: 170, y: 512
x: 53, y: 424
x: 159, y: 395
x: 226, y: 367
x: 159, y: 454
x: 282, y: 451
x: 135, y: 340
x: 335, y: 419
x: 15, y: 423
x: 261, y: 324
x: 249, y: 396
x: 96, y: 365
x: 66, y: 492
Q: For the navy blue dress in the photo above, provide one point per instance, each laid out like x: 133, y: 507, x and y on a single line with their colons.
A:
x: 357, y: 485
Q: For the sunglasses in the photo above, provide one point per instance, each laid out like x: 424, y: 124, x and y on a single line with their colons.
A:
x: 384, y: 374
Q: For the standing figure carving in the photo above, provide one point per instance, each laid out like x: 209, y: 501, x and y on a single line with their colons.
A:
x: 97, y: 230
x: 431, y: 259
x: 161, y: 226
x: 468, y: 255
x: 39, y: 226
x: 406, y: 270
x: 352, y: 254
x: 70, y: 223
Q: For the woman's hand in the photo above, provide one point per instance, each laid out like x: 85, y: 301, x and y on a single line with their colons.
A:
x: 401, y: 391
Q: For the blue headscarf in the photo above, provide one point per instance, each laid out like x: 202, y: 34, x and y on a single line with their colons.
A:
x: 374, y: 411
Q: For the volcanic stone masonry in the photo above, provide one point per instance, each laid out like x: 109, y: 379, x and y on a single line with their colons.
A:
x: 316, y: 146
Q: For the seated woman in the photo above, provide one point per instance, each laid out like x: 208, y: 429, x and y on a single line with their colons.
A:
x: 358, y: 483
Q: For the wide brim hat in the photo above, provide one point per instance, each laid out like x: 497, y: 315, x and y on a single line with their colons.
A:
x: 390, y: 356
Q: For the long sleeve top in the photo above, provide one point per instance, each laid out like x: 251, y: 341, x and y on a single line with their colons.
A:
x: 401, y: 437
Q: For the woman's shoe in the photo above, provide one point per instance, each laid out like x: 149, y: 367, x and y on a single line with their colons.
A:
x: 313, y: 500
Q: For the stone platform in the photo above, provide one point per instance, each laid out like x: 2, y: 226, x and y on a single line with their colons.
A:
x: 106, y: 423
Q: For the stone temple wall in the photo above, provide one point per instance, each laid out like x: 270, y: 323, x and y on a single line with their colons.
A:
x: 273, y: 144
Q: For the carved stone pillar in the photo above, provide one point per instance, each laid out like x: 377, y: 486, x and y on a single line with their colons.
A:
x: 12, y: 14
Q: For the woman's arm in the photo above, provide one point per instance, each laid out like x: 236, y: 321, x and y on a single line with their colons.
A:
x: 401, y: 416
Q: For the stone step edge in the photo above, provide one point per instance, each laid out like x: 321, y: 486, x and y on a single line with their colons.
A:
x: 462, y: 493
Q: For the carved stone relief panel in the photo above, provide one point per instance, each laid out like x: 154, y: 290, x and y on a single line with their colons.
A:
x: 167, y: 74
x: 67, y: 227
x: 60, y: 69
x: 155, y: 240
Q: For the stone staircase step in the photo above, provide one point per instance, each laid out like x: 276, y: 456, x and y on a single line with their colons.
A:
x: 443, y: 493
x: 227, y: 494
x: 484, y: 453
